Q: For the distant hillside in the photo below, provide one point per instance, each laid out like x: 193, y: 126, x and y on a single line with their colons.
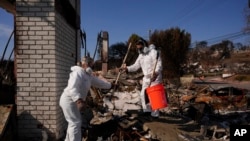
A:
x: 239, y: 57
x: 243, y: 59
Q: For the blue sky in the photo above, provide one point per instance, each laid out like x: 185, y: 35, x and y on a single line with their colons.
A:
x: 203, y: 19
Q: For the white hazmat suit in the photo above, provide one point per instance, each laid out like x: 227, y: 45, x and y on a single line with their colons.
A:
x: 146, y: 61
x: 78, y: 86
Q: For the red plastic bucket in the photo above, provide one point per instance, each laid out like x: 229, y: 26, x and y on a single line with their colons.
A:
x: 157, y: 97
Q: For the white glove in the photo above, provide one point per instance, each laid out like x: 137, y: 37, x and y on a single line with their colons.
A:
x: 123, y: 68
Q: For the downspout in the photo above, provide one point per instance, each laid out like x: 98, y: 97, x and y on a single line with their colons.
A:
x: 77, y: 32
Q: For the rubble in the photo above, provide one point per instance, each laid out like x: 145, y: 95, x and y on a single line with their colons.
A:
x: 7, y: 122
x: 194, y: 112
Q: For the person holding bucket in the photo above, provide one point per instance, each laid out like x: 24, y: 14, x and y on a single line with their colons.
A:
x: 147, y: 59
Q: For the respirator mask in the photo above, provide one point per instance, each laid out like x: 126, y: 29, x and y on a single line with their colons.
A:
x: 143, y: 50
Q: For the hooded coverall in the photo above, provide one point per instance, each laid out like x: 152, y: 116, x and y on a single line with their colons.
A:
x: 146, y: 61
x: 78, y: 86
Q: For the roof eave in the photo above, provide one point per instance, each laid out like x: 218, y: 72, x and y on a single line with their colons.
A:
x: 8, y: 5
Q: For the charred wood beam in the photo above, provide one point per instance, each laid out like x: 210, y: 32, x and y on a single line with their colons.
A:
x: 8, y: 5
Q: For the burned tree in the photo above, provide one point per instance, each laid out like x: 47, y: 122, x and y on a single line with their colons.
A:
x: 173, y: 44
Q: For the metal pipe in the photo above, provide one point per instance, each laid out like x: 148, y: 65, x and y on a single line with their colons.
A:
x: 97, y: 43
x: 7, y: 45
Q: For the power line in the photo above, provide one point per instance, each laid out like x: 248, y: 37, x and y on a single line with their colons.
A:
x: 186, y: 11
x: 218, y: 39
x: 205, y: 9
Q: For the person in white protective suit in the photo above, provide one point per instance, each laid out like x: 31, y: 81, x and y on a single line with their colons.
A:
x: 74, y: 95
x: 146, y: 60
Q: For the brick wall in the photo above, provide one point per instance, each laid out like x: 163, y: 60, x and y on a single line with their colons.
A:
x: 46, y: 47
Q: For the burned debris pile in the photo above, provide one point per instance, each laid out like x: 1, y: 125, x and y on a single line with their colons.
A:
x: 206, y: 112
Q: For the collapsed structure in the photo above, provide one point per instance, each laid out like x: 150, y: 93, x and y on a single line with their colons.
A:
x: 211, y: 111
